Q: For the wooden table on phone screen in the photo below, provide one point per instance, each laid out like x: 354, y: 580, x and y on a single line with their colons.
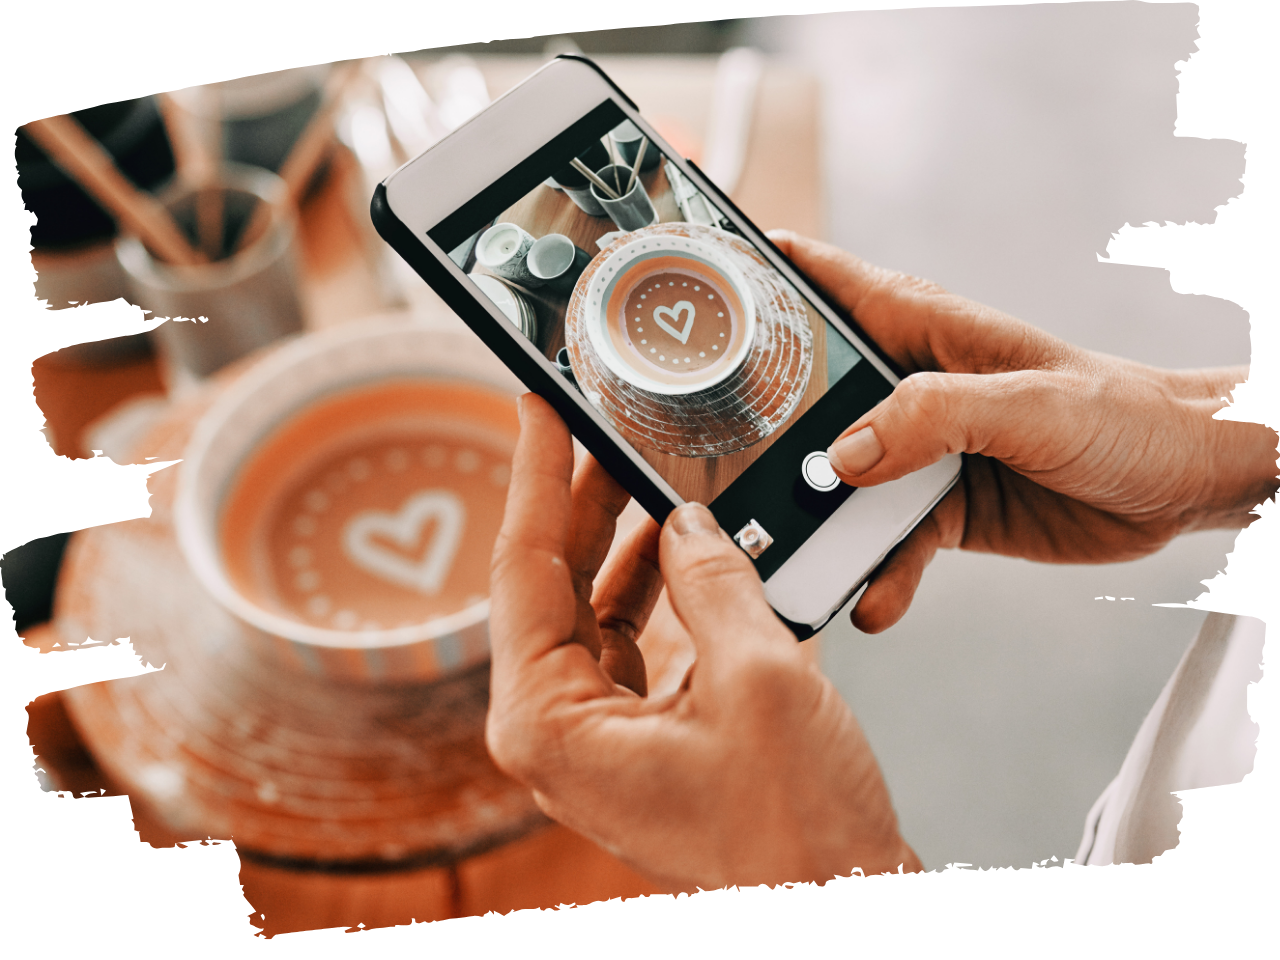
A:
x: 779, y: 187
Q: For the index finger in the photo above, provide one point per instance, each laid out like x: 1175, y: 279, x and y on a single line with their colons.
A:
x: 532, y: 603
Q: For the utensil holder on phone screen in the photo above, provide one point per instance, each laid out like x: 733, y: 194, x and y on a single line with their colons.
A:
x: 632, y: 209
x: 249, y: 296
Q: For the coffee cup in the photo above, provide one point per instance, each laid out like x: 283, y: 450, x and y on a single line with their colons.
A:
x: 558, y: 262
x: 341, y: 500
x: 670, y: 314
x: 629, y: 209
x: 627, y: 136
x: 502, y: 249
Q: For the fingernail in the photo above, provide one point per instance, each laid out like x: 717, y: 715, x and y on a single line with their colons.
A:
x: 693, y: 518
x: 856, y: 453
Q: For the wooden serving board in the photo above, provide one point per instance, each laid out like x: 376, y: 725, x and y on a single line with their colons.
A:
x: 349, y: 803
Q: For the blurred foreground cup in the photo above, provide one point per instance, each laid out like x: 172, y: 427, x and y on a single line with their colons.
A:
x: 248, y: 293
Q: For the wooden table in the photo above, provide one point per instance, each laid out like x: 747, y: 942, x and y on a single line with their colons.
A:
x: 779, y: 186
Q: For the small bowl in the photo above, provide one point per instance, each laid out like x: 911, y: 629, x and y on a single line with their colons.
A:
x: 622, y: 272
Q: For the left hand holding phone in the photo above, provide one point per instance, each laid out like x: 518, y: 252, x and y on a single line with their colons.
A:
x: 754, y: 771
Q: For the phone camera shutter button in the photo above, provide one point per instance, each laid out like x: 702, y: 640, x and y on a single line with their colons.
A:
x: 818, y: 472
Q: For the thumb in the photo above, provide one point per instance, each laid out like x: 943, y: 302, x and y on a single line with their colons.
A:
x: 1020, y: 418
x: 713, y: 587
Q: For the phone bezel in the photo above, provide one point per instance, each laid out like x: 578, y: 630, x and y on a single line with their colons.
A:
x: 409, y: 203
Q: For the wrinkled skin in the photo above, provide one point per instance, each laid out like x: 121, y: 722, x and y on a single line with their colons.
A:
x: 755, y: 771
x: 1075, y: 456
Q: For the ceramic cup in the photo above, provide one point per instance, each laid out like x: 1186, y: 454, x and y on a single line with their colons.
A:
x: 576, y: 186
x: 627, y: 136
x: 250, y: 297
x: 670, y: 314
x: 633, y: 209
x: 503, y: 248
x: 341, y: 499
x: 555, y: 260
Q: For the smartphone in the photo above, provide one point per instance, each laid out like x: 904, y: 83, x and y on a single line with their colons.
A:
x: 685, y: 352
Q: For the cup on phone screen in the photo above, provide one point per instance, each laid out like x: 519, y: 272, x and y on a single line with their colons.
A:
x: 632, y: 209
x: 558, y: 262
x: 502, y: 249
x: 575, y: 186
x: 627, y: 136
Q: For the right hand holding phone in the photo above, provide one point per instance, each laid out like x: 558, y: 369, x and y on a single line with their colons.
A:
x: 1076, y: 456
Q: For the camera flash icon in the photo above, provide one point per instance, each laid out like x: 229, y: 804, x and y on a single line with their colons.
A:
x: 754, y: 539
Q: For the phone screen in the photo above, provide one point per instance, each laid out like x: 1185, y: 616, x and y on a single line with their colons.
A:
x: 675, y: 328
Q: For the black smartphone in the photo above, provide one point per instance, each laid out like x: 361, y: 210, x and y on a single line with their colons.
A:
x: 682, y: 349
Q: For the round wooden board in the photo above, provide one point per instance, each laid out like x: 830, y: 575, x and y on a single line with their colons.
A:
x: 225, y: 742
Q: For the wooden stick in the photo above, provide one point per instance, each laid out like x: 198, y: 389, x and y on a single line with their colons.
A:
x: 307, y: 152
x: 583, y: 169
x: 635, y: 169
x: 84, y: 160
x: 615, y: 162
x: 195, y: 137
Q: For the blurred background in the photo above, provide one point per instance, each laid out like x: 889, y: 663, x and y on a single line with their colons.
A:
x: 993, y: 150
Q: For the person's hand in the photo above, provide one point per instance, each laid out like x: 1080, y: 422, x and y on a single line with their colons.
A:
x: 1076, y: 457
x: 754, y: 771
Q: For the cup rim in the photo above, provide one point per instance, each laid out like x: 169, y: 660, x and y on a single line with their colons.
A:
x: 194, y: 532
x: 481, y: 239
x: 555, y: 238
x: 613, y: 134
x: 614, y: 265
x: 140, y: 265
x: 622, y: 167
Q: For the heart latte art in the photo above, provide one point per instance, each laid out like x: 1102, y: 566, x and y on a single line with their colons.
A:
x: 384, y: 544
x: 678, y: 321
x: 380, y: 514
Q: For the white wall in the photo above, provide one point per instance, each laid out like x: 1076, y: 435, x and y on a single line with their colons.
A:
x: 995, y: 150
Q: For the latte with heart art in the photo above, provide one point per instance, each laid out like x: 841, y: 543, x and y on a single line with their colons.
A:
x: 375, y: 508
x: 675, y: 314
x: 678, y: 321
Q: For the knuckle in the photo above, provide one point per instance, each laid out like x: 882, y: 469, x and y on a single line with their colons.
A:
x: 510, y: 746
x: 924, y: 397
x: 713, y: 562
x: 903, y: 286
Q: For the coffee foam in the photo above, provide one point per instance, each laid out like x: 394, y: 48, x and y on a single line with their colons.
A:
x: 374, y: 508
x: 675, y: 320
x: 678, y: 320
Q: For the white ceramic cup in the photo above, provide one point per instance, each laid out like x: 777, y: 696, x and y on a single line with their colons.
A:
x: 600, y: 322
x: 503, y: 249
x: 283, y: 383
